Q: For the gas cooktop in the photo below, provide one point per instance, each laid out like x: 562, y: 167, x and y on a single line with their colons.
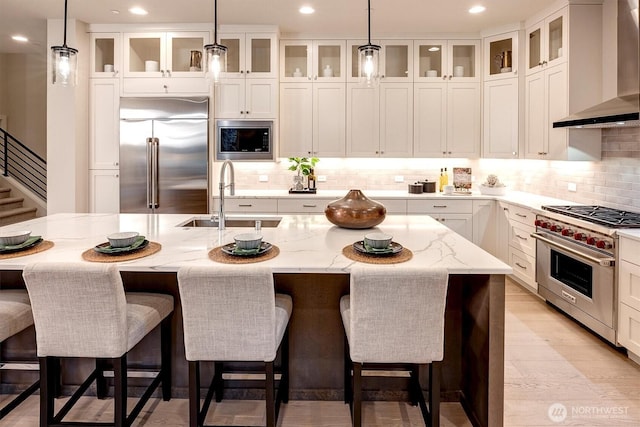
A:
x: 608, y: 217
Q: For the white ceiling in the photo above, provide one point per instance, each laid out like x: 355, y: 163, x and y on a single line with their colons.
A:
x: 332, y: 17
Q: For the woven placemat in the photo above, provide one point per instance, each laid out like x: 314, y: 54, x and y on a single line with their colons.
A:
x: 402, y: 256
x: 40, y: 247
x: 217, y: 255
x: 93, y: 256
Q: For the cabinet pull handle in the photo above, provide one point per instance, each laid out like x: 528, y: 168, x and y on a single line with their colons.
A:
x: 245, y: 205
x: 521, y: 238
x: 520, y: 215
x: 505, y: 209
x: 439, y: 206
x: 521, y: 266
x: 309, y: 206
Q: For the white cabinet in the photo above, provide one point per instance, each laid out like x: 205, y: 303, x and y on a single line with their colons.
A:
x: 501, y: 118
x: 104, y: 191
x: 246, y: 99
x: 309, y: 205
x: 447, y: 119
x: 313, y: 119
x: 446, y: 60
x: 251, y: 55
x: 105, y: 56
x: 455, y: 214
x: 629, y: 296
x: 380, y: 120
x: 521, y: 246
x: 312, y: 61
x: 396, y: 61
x: 104, y: 123
x: 484, y: 224
x: 248, y: 205
x: 563, y: 58
x: 502, y: 231
x: 500, y: 56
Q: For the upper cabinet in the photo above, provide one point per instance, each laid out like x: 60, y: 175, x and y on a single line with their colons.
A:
x: 312, y: 61
x: 455, y: 60
x: 546, y: 41
x: 105, y: 61
x: 171, y: 54
x: 500, y: 55
x: 396, y: 61
x: 251, y: 55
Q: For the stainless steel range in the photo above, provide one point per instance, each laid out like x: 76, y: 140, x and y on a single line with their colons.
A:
x: 576, y: 254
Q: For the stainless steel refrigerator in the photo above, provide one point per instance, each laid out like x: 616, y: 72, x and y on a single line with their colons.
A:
x: 164, y: 155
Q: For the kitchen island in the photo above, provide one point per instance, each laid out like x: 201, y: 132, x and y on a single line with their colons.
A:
x: 313, y: 270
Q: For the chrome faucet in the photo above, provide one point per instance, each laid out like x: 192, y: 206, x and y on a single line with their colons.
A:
x: 223, y: 185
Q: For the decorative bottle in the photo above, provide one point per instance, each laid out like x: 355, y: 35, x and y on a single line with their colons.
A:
x: 311, y: 179
x: 445, y: 178
x: 440, y: 180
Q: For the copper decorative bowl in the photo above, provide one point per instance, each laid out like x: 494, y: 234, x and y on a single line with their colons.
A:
x: 355, y: 210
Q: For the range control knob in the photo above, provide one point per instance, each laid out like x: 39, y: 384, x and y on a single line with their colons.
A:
x: 556, y: 228
x: 567, y: 232
x: 603, y: 244
x: 579, y: 236
x: 544, y: 224
x: 538, y: 222
x: 591, y: 240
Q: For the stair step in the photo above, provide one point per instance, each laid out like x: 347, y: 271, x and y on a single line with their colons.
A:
x: 17, y: 215
x: 9, y: 203
x: 4, y: 193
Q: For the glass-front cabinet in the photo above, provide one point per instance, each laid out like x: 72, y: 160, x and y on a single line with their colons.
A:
x: 501, y: 56
x: 437, y: 60
x: 250, y: 55
x: 397, y: 61
x: 319, y: 60
x: 546, y: 42
x: 170, y: 54
x: 105, y: 55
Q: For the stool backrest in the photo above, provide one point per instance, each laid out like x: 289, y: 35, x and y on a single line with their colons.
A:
x: 79, y: 309
x: 228, y: 313
x: 397, y: 314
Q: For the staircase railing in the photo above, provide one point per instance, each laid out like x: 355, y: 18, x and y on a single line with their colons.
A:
x: 22, y: 164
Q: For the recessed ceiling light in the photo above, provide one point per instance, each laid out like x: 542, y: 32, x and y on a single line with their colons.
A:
x: 434, y: 49
x: 20, y: 38
x: 138, y: 11
x: 306, y: 10
x: 477, y: 9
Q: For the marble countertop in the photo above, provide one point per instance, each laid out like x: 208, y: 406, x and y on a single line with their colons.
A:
x: 631, y: 233
x: 307, y: 243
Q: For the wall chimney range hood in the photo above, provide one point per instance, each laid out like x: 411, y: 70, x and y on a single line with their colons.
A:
x: 623, y: 111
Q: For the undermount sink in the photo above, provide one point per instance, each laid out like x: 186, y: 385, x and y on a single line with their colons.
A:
x: 230, y: 221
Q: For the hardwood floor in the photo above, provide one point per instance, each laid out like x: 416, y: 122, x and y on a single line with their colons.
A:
x: 550, y: 361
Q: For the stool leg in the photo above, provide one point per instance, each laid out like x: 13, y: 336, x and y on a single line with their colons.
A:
x: 270, y: 398
x: 357, y: 394
x: 120, y: 391
x: 347, y: 372
x: 414, y: 388
x: 434, y: 393
x: 194, y: 395
x: 47, y: 377
x: 218, y: 381
x: 165, y: 354
x: 57, y: 377
x: 284, y: 351
x: 101, y: 381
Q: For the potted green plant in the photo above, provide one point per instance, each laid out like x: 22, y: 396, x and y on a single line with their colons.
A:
x: 303, y: 166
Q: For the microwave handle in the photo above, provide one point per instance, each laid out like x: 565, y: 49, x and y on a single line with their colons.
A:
x: 607, y: 262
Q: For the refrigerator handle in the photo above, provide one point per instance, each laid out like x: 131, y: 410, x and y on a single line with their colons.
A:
x: 155, y: 188
x: 149, y: 172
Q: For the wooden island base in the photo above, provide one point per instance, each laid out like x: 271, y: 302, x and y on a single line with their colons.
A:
x: 472, y: 372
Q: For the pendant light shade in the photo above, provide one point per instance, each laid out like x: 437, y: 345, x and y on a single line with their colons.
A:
x: 369, y: 57
x: 64, y: 60
x: 215, y: 54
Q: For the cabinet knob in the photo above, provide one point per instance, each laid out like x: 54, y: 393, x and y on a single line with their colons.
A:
x: 539, y: 63
x: 248, y: 71
x: 450, y: 76
x: 544, y: 62
x: 115, y: 163
x: 246, y: 112
x: 117, y: 176
x: 381, y: 152
x: 165, y: 87
x: 444, y: 153
x: 449, y: 152
x: 377, y: 152
x: 444, y: 77
x: 241, y: 112
x: 515, y: 153
x: 309, y: 152
x: 168, y: 73
x: 241, y: 71
x: 115, y: 73
x: 309, y: 78
x: 515, y: 72
x: 162, y: 71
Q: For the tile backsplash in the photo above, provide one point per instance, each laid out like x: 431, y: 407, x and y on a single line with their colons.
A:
x: 614, y: 181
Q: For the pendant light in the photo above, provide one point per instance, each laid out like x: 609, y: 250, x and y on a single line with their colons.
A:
x: 369, y: 57
x: 216, y: 54
x: 64, y: 60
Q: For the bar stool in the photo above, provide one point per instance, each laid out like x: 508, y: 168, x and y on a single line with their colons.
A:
x: 80, y: 310
x: 233, y: 314
x: 395, y: 316
x: 15, y: 316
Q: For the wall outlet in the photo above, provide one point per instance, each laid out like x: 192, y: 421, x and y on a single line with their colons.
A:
x: 263, y: 178
x: 322, y: 178
x: 572, y: 187
x: 399, y: 178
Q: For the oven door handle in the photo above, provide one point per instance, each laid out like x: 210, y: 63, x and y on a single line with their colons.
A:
x: 607, y: 262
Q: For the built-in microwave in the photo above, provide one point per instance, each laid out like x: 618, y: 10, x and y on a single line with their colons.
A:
x: 244, y: 140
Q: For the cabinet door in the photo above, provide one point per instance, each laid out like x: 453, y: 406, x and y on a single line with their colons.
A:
x: 464, y: 61
x: 185, y: 53
x: 363, y: 111
x: 235, y: 44
x: 502, y: 231
x: 296, y: 119
x: 397, y: 61
x: 484, y: 225
x: 501, y: 119
x: 556, y: 36
x: 463, y: 120
x: 430, y: 60
x: 329, y: 61
x: 557, y: 107
x: 105, y: 55
x: 535, y: 121
x: 329, y: 119
x: 460, y: 223
x: 104, y: 191
x: 500, y: 56
x: 261, y: 99
x: 629, y: 284
x: 144, y: 54
x: 104, y: 124
x: 396, y: 119
x: 296, y: 64
x: 260, y: 56
x: 535, y: 48
x: 230, y: 99
x: 430, y: 119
